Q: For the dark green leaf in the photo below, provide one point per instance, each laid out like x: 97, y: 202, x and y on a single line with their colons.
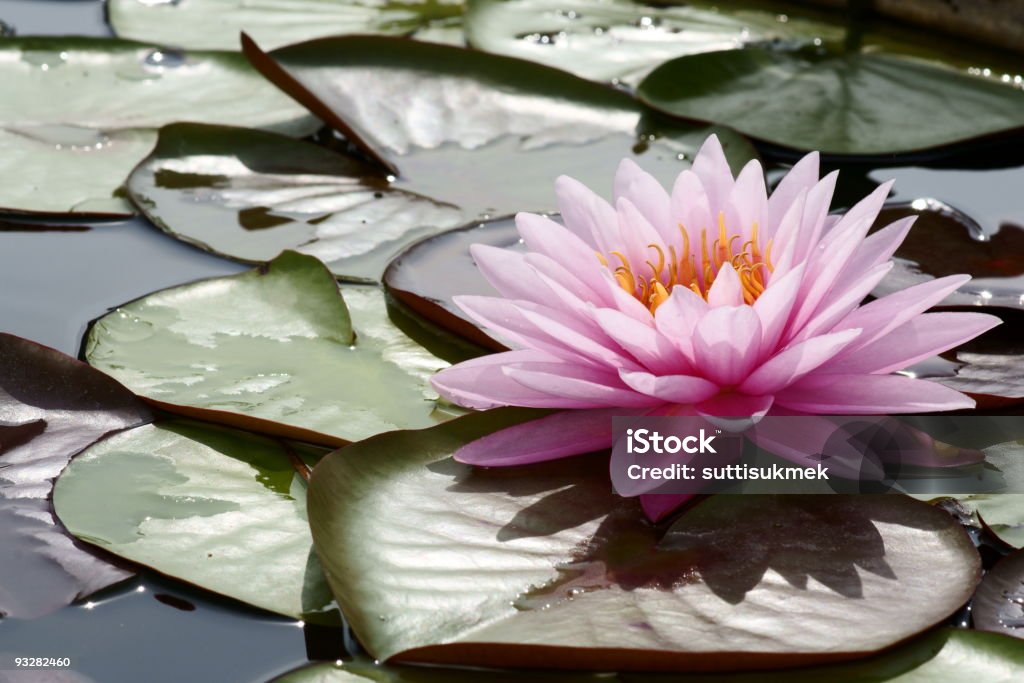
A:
x: 850, y: 104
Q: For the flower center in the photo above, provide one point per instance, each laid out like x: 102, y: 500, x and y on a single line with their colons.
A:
x: 666, y: 270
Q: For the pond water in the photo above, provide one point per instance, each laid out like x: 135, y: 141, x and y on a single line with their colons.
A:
x: 53, y: 282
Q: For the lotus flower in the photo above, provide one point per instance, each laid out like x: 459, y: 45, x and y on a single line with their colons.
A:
x: 716, y: 299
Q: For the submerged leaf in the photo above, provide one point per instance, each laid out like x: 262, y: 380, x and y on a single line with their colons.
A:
x: 52, y: 406
x: 535, y: 565
x: 219, y: 508
x: 78, y: 113
x: 273, y: 350
x: 999, y: 603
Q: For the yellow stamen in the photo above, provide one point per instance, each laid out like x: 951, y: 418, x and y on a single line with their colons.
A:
x: 672, y: 268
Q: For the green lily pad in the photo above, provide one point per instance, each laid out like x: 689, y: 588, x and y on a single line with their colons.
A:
x: 249, y: 194
x: 843, y: 104
x: 945, y: 656
x: 216, y: 24
x: 433, y: 561
x: 51, y: 407
x: 79, y: 113
x: 402, y: 103
x: 272, y: 350
x: 619, y: 40
x: 219, y: 508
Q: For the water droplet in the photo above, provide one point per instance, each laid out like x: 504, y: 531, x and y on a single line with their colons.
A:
x: 161, y: 59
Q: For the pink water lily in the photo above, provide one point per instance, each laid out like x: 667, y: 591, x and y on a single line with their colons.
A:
x: 716, y: 299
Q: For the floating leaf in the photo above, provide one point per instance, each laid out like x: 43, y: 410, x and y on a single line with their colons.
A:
x: 433, y: 561
x: 845, y: 104
x: 403, y: 103
x: 272, y: 350
x: 78, y: 113
x: 427, y: 275
x: 51, y: 407
x: 216, y: 24
x: 609, y: 40
x: 249, y: 194
x: 945, y: 241
x: 219, y: 508
x: 999, y: 603
x: 945, y: 656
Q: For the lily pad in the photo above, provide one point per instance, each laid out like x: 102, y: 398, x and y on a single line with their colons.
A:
x: 272, y: 350
x: 219, y: 508
x: 249, y: 194
x: 619, y: 40
x: 403, y: 104
x: 216, y: 24
x: 841, y: 104
x: 428, y: 275
x: 72, y: 158
x: 999, y: 603
x: 944, y: 656
x: 433, y: 561
x: 946, y: 241
x: 52, y: 406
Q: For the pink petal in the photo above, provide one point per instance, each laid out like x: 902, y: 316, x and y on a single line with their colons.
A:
x: 749, y: 197
x: 815, y: 216
x: 544, y: 236
x: 869, y: 395
x: 586, y: 387
x: 644, y: 192
x: 658, y: 506
x: 841, y: 303
x: 683, y: 389
x: 711, y: 166
x: 866, y: 209
x: 480, y: 383
x: 727, y: 344
x: 508, y: 272
x: 641, y: 341
x: 677, y: 318
x: 690, y: 210
x: 775, y: 305
x: 802, y: 177
x: 726, y: 290
x: 637, y: 234
x: 922, y: 337
x: 877, y: 248
x: 587, y: 215
x: 795, y: 362
x: 563, y: 434
x: 881, y: 316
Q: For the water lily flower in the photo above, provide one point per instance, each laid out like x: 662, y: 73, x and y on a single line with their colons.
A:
x: 715, y: 299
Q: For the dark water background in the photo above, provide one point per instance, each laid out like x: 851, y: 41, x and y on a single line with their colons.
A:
x: 52, y: 283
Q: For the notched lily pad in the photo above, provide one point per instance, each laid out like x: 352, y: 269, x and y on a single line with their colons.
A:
x: 112, y: 94
x: 273, y: 350
x: 215, y: 24
x: 543, y: 565
x: 219, y: 508
x: 249, y: 194
x: 839, y: 104
x: 52, y: 406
